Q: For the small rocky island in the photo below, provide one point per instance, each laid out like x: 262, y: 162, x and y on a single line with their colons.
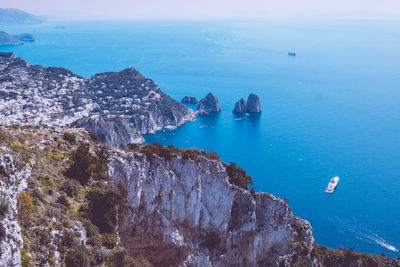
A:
x: 189, y: 99
x: 208, y: 104
x: 253, y: 105
x: 8, y: 39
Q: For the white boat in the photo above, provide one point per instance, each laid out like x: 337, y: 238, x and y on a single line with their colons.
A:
x: 332, y: 185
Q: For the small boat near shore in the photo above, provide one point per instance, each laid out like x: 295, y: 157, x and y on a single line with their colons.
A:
x: 333, y: 183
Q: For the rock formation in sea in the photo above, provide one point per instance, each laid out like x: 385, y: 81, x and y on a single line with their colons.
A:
x: 208, y: 104
x: 240, y: 106
x: 67, y: 200
x: 25, y: 37
x: 8, y: 39
x: 253, y: 104
x: 119, y: 106
x: 189, y: 99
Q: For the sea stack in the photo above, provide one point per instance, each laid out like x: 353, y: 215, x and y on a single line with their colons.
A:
x: 208, y: 104
x: 253, y: 104
x: 189, y: 99
x: 240, y: 106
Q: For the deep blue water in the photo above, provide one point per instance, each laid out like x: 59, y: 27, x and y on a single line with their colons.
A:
x: 334, y: 109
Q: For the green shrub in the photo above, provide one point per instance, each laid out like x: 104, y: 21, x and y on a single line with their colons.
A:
x: 92, y: 136
x: 67, y: 239
x: 3, y: 171
x: 81, y: 166
x: 63, y: 201
x: 94, y: 241
x: 77, y: 257
x: 238, y: 176
x: 2, y: 232
x: 25, y: 258
x: 119, y: 258
x: 103, y: 200
x: 70, y: 137
x: 71, y: 187
x: 100, y: 162
x: 3, y: 207
x: 109, y: 240
x: 26, y: 203
x: 44, y: 237
x: 133, y: 147
x: 91, y: 229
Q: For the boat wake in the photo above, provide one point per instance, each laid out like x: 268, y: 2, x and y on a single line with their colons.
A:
x: 372, y: 238
x: 375, y: 238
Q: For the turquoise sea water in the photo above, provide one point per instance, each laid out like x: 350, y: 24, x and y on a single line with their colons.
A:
x: 334, y: 109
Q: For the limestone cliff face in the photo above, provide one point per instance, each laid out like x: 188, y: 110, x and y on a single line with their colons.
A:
x: 11, y: 243
x: 186, y: 213
x: 172, y: 207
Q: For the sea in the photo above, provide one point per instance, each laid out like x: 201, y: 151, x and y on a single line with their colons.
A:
x: 331, y: 110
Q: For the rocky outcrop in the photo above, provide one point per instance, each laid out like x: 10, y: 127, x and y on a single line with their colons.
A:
x: 208, y: 104
x: 189, y: 99
x: 129, y: 104
x: 174, y: 207
x: 8, y: 39
x: 240, y: 106
x: 114, y: 133
x: 13, y: 183
x: 253, y: 104
x: 186, y: 213
x: 25, y: 37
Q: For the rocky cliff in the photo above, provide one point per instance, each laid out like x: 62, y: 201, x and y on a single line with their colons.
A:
x: 208, y: 104
x: 142, y: 206
x: 118, y: 106
x: 185, y: 212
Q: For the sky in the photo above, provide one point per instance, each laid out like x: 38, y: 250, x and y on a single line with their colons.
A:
x: 209, y: 9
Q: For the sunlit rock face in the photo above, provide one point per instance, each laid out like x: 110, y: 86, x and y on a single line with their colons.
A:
x: 240, y: 106
x: 208, y: 104
x: 253, y: 104
x: 186, y: 213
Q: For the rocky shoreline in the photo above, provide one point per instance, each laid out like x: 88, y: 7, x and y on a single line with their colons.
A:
x: 119, y: 107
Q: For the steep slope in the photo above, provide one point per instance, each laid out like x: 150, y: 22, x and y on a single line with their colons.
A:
x: 188, y: 208
x: 65, y: 199
x: 119, y: 107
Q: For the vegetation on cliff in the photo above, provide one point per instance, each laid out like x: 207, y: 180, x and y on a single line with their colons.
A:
x: 69, y: 211
x: 237, y: 175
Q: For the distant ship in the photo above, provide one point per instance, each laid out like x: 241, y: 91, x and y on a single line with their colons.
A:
x: 291, y: 53
x: 332, y: 185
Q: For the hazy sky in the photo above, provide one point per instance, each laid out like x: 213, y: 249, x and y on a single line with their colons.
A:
x: 209, y: 9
